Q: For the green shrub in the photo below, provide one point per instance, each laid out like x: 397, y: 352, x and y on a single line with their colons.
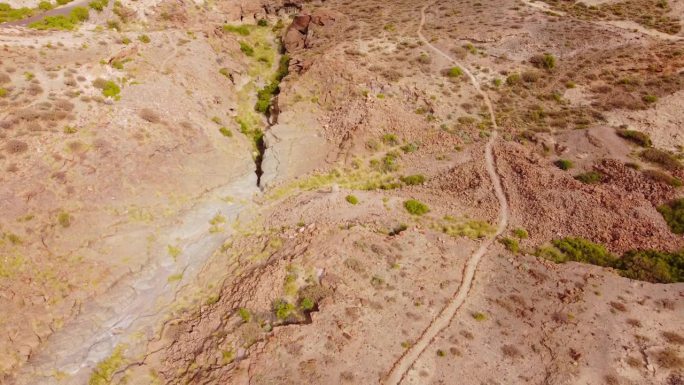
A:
x: 650, y: 99
x: 652, y: 266
x: 662, y: 177
x: 582, y: 250
x: 126, y: 40
x: 8, y: 13
x: 413, y: 180
x: 390, y: 139
x: 520, y: 233
x: 239, y: 29
x: 416, y: 207
x: 638, y: 137
x: 352, y: 199
x: 111, y: 89
x: 307, y: 304
x: 409, y: 148
x: 590, y: 177
x: 479, y: 316
x: 63, y: 2
x: 510, y: 244
x: 64, y: 219
x: 144, y: 39
x: 225, y: 131
x: 62, y: 22
x: 513, y: 79
x: 454, y: 72
x: 673, y: 213
x: 283, y: 309
x: 246, y: 49
x: 266, y: 94
x: 45, y: 5
x: 564, y: 164
x: 3, y: 92
x: 545, y: 61
x: 262, y: 23
x: 662, y: 158
x: 98, y: 5
x: 244, y: 314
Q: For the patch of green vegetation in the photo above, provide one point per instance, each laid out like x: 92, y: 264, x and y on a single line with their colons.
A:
x: 10, y: 266
x: 390, y: 139
x: 246, y: 49
x: 111, y: 90
x: 638, y: 137
x: 590, y: 177
x: 644, y: 265
x: 238, y: 29
x: 652, y: 266
x: 513, y: 79
x: 409, y: 148
x: 45, y: 5
x: 225, y: 131
x: 64, y: 219
x: 352, y: 199
x: 663, y: 177
x: 520, y: 233
x: 582, y: 250
x: 174, y: 251
x: 144, y: 39
x: 673, y: 213
x: 415, y: 207
x: 105, y: 370
x: 7, y: 13
x: 262, y: 23
x: 3, y: 92
x: 478, y: 316
x: 466, y: 228
x: 662, y: 158
x: 511, y: 244
x: 564, y: 164
x: 174, y: 277
x: 455, y: 72
x: 266, y: 94
x: 413, y: 180
x: 217, y: 223
x: 650, y: 99
x: 62, y: 22
x: 283, y: 309
x: 546, y: 61
x: 245, y: 314
x: 307, y: 304
x: 388, y: 163
x: 98, y: 5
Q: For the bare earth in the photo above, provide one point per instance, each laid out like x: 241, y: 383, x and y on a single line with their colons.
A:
x: 342, y: 192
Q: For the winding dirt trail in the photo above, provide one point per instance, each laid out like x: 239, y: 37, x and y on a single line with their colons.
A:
x: 401, y: 366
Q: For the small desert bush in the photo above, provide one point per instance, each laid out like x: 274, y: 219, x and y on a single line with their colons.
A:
x: 454, y: 72
x: 144, y: 39
x: 98, y: 5
x: 673, y: 213
x: 582, y: 250
x: 661, y: 158
x: 239, y: 29
x: 62, y: 22
x: 415, y: 207
x: 246, y: 49
x: 652, y: 266
x: 520, y: 233
x: 638, y: 137
x: 225, y: 131
x: 413, y: 180
x: 511, y: 244
x: 662, y: 177
x: 564, y: 164
x: 545, y: 61
x: 590, y: 177
x: 352, y: 199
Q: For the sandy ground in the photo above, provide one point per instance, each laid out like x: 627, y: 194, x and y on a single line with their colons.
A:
x: 137, y: 245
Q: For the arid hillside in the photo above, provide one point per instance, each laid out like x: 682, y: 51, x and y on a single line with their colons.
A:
x: 342, y: 191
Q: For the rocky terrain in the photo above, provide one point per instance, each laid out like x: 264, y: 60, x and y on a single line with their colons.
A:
x: 342, y: 191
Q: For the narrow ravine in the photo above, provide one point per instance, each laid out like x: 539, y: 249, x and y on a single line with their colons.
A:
x: 411, y: 355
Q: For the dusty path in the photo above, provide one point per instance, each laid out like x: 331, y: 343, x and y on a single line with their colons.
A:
x: 401, y: 367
